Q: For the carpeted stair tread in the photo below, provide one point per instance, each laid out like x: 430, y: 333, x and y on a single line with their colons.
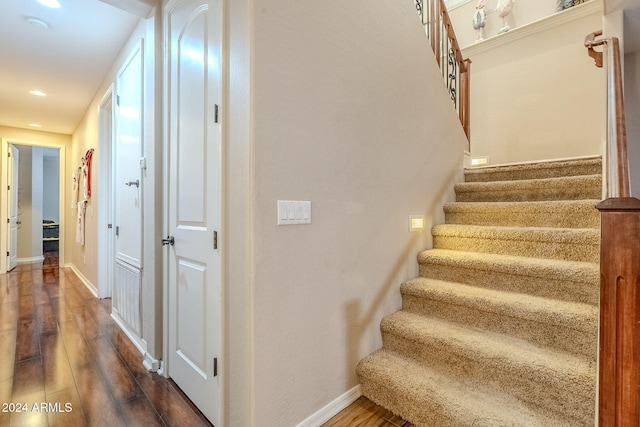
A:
x: 501, y: 326
x: 571, y: 315
x: 429, y: 398
x: 560, y: 381
x: 547, y: 169
x: 562, y: 188
x: 557, y: 214
x: 513, y: 357
x: 566, y: 326
x: 564, y: 280
x: 542, y: 242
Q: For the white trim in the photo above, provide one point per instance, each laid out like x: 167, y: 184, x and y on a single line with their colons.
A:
x: 106, y: 134
x: 152, y: 364
x: 136, y: 340
x: 31, y: 260
x: 83, y: 279
x: 539, y: 26
x: 333, y: 408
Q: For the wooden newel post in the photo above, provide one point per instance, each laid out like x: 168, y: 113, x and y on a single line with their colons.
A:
x: 619, y: 377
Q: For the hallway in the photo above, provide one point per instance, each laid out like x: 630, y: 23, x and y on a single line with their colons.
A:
x: 64, y: 362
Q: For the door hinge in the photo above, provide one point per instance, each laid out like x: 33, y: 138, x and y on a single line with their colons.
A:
x: 215, y: 240
x: 215, y: 363
x: 8, y: 187
x: 216, y: 113
x: 8, y: 220
x: 117, y: 230
x: 118, y: 100
x: 9, y: 154
x: 7, y: 253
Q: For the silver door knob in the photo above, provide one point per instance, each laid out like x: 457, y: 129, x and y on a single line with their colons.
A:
x: 130, y: 183
x: 168, y: 241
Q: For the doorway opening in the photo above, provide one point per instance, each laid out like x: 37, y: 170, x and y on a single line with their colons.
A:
x: 35, y: 225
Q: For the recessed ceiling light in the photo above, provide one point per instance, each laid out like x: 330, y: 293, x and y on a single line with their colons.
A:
x: 53, y: 4
x: 35, y: 125
x: 37, y: 93
x: 37, y: 22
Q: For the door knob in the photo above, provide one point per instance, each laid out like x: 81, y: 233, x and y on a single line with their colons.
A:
x: 168, y: 241
x: 130, y: 183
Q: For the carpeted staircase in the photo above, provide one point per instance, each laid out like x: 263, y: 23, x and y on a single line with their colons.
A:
x: 500, y: 328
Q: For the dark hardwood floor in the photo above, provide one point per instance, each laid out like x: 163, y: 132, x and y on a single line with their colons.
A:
x: 64, y: 362
x: 365, y: 413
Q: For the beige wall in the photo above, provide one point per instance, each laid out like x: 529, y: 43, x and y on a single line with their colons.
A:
x: 535, y: 94
x: 349, y: 112
x: 238, y: 383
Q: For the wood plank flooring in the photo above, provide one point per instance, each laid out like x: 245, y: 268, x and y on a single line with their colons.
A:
x: 64, y: 362
x: 365, y: 413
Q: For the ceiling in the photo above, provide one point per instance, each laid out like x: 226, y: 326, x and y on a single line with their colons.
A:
x: 68, y: 60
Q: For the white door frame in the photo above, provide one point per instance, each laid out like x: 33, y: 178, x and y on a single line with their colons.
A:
x: 106, y: 235
x: 4, y: 228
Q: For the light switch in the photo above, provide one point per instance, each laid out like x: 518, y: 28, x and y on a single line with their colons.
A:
x: 291, y: 212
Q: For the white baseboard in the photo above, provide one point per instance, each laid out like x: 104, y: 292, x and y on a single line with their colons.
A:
x: 83, y: 279
x: 31, y: 260
x: 332, y: 409
x: 137, y: 341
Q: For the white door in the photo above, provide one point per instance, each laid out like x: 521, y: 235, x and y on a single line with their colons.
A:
x: 195, y: 92
x: 12, y: 182
x: 128, y: 153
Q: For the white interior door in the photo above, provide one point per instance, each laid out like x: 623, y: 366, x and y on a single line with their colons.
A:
x: 195, y: 91
x: 128, y: 153
x: 12, y: 181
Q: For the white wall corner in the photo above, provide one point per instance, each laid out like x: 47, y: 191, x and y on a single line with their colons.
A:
x: 333, y: 408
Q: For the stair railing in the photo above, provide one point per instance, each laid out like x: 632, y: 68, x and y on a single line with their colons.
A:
x: 619, y: 344
x: 617, y: 166
x: 455, y: 69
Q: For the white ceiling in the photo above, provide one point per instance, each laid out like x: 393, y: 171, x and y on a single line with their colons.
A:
x: 68, y: 60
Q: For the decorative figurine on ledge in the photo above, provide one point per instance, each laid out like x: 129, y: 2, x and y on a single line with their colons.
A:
x: 566, y: 4
x: 479, y: 20
x: 504, y: 9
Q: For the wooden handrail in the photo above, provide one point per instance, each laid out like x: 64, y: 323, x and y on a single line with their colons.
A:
x: 619, y: 343
x: 455, y: 69
x: 617, y: 164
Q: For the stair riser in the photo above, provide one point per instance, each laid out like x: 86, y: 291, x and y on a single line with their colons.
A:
x: 536, y: 388
x: 560, y: 219
x: 586, y: 251
x: 541, y: 286
x: 542, y: 333
x: 581, y: 167
x: 526, y: 194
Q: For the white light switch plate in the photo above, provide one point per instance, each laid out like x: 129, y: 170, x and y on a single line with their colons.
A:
x: 292, y: 212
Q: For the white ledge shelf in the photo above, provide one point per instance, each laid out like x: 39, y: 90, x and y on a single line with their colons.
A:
x: 539, y: 26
